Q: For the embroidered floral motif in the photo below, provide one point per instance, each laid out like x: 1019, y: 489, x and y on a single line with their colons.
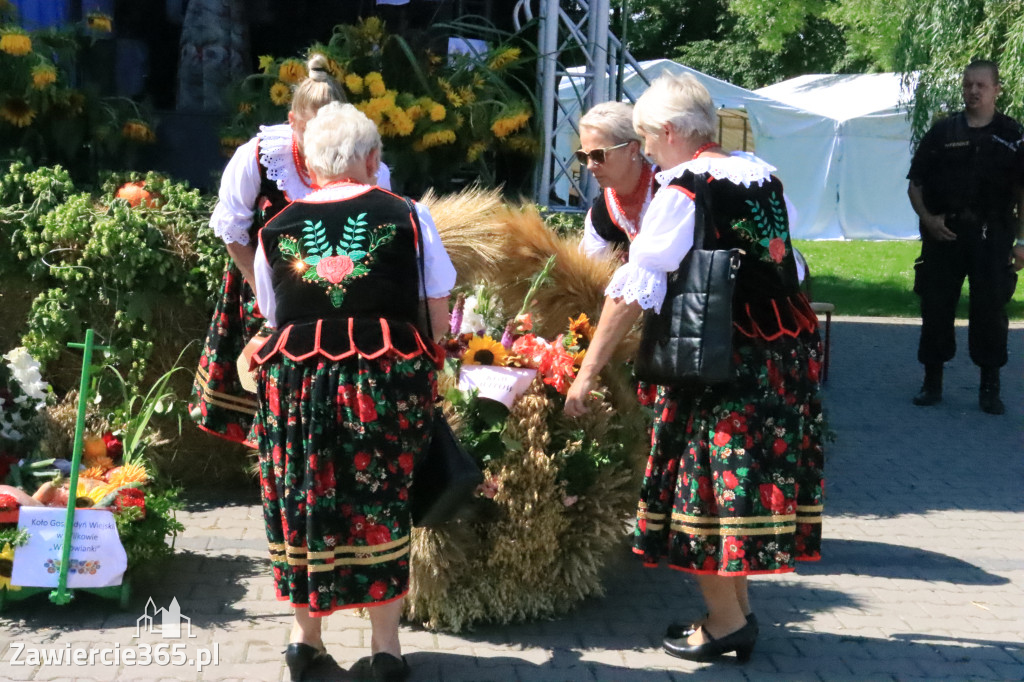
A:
x: 332, y: 266
x: 766, y: 228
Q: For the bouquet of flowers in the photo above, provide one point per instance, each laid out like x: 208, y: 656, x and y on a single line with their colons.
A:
x: 557, y: 491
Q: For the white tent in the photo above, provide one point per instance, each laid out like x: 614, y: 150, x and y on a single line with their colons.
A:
x: 841, y: 144
x: 842, y: 147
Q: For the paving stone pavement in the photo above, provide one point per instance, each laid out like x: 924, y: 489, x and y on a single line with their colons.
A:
x: 922, y: 576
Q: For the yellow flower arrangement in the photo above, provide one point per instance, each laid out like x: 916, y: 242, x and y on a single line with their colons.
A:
x: 503, y: 126
x: 266, y: 63
x: 95, y: 472
x: 483, y: 350
x: 98, y: 21
x: 522, y: 143
x: 372, y: 30
x: 435, y: 139
x: 280, y: 94
x: 503, y: 58
x: 43, y: 76
x: 291, y: 71
x: 399, y: 121
x: 475, y: 150
x: 354, y: 83
x: 138, y: 131
x: 437, y: 111
x: 129, y: 473
x: 17, y: 112
x: 415, y: 112
x: 375, y: 84
x: 6, y: 565
x: 467, y: 95
x: 15, y: 42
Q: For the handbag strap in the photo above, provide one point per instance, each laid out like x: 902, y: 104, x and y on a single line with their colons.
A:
x: 419, y: 259
x: 704, y: 234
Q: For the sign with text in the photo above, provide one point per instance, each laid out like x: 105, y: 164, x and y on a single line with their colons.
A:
x: 503, y: 384
x: 97, y: 556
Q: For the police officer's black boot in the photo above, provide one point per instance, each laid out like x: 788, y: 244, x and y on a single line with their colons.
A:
x: 931, y: 391
x: 988, y: 394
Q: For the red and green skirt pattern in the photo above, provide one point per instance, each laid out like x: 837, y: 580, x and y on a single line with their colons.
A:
x: 338, y: 441
x: 734, y: 482
x: 218, y: 403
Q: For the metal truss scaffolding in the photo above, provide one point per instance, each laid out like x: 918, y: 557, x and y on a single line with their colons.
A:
x: 579, y: 30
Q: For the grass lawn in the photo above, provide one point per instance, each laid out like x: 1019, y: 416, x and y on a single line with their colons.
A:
x: 874, y: 278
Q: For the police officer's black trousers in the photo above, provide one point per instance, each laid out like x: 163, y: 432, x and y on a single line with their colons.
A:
x: 939, y: 276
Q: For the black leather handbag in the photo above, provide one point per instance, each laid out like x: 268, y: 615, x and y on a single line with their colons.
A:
x: 689, y: 343
x: 444, y: 476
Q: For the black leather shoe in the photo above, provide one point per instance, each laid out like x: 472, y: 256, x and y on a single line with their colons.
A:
x: 684, y: 630
x: 299, y: 657
x: 381, y: 667
x: 742, y: 642
x: 928, y: 396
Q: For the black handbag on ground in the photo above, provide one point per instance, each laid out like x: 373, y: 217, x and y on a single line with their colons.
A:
x: 689, y: 343
x: 445, y: 475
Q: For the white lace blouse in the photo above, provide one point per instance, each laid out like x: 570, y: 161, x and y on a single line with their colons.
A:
x: 666, y: 234
x: 439, y: 273
x: 240, y: 185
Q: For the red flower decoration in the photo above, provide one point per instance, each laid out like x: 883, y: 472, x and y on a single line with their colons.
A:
x: 362, y: 460
x: 779, y: 447
x: 114, y: 445
x: 378, y: 590
x: 772, y: 498
x: 366, y: 409
x: 377, y: 534
x: 405, y: 461
x: 730, y: 480
x: 131, y: 497
x: 777, y: 249
x: 334, y: 268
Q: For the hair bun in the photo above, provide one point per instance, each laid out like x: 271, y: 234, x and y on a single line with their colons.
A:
x: 317, y: 67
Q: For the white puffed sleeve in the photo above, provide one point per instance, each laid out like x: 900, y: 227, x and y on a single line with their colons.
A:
x: 384, y: 176
x: 592, y: 243
x: 665, y: 238
x: 236, y: 202
x: 265, y: 298
x: 439, y: 273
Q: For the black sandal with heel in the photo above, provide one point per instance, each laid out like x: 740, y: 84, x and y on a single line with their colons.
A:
x: 684, y: 630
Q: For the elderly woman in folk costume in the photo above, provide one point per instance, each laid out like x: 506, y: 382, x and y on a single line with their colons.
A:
x: 346, y: 388
x: 261, y: 178
x: 733, y: 485
x: 611, y: 151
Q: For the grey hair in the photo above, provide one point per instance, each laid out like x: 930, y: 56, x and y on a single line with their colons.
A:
x: 337, y: 138
x: 318, y: 89
x: 614, y: 119
x: 680, y: 101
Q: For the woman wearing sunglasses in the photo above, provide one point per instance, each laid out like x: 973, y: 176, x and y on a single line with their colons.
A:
x: 610, y: 149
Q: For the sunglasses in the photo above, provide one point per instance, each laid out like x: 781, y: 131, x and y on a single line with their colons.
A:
x: 596, y: 154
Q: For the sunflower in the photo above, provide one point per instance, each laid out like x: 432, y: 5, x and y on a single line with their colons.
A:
x: 582, y: 328
x: 15, y: 42
x: 280, y: 94
x: 17, y: 112
x: 503, y: 126
x: 43, y: 75
x: 354, y: 83
x: 503, y: 58
x: 436, y: 139
x: 483, y: 350
x: 291, y: 71
x: 138, y: 131
x: 6, y: 565
x: 266, y: 63
x: 475, y: 150
x: 98, y: 21
x: 375, y: 84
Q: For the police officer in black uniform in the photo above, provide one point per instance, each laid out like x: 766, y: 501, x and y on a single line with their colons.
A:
x: 965, y: 187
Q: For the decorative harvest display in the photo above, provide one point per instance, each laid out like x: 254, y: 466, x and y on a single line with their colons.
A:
x: 36, y: 442
x: 436, y: 115
x: 557, y: 491
x: 46, y: 109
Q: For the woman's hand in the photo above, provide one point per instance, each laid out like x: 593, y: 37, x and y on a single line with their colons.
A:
x: 579, y: 393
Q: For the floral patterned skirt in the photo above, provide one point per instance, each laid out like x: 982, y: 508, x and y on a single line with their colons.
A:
x: 338, y: 441
x: 218, y: 403
x: 734, y: 481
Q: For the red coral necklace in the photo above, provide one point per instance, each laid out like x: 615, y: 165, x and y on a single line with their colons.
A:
x: 300, y: 164
x: 631, y: 204
x: 703, y: 148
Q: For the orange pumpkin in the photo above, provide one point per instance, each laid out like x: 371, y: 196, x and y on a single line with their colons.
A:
x: 136, y: 194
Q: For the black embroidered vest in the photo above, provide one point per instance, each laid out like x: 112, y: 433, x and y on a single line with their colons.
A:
x: 605, y: 226
x: 767, y: 301
x: 346, y: 278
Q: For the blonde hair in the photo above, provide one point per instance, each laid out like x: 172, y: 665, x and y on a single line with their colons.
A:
x: 614, y: 119
x: 338, y: 137
x: 679, y: 101
x: 318, y: 89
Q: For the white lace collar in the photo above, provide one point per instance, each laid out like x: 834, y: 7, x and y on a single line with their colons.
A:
x: 275, y: 144
x: 739, y: 168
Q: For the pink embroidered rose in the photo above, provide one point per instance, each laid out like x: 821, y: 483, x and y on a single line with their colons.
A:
x: 776, y: 249
x: 334, y: 268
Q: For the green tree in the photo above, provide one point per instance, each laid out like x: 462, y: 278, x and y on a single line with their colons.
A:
x: 940, y: 37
